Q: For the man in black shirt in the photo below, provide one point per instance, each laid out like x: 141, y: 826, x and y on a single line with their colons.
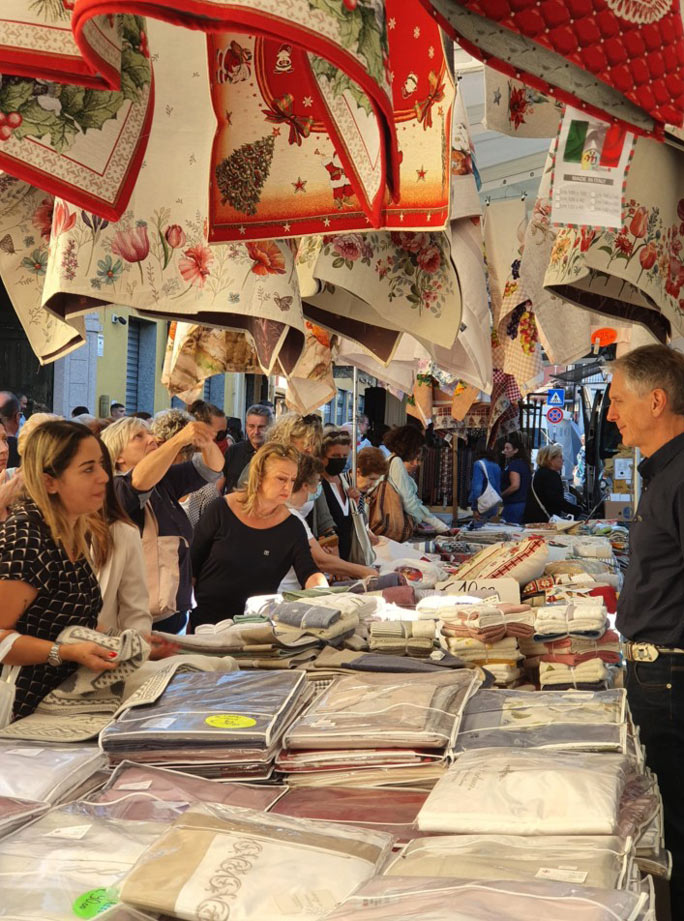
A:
x: 647, y: 404
x: 238, y: 456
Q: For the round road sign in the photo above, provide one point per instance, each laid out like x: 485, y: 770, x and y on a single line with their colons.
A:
x: 555, y: 415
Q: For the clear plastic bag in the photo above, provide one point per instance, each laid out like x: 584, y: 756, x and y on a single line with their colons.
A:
x: 45, y: 772
x: 220, y: 862
x: 388, y: 898
x: 385, y: 710
x: 601, y: 861
x: 70, y: 862
x: 506, y: 790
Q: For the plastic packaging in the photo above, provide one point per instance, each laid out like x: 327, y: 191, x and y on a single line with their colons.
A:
x: 45, y: 772
x: 511, y: 791
x: 220, y: 862
x: 385, y: 710
x: 388, y: 898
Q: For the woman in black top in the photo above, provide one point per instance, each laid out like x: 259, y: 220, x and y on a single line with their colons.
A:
x: 546, y: 496
x: 246, y: 542
x: 46, y: 580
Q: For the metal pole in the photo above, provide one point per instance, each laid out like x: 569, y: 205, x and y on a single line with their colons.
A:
x: 355, y: 403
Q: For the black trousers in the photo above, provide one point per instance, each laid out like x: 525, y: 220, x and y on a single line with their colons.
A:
x: 174, y: 623
x: 655, y: 691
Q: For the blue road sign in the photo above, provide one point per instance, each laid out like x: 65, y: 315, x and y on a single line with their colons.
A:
x: 556, y: 397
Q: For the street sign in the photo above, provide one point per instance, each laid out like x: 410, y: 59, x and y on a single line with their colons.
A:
x: 556, y: 397
x: 555, y: 415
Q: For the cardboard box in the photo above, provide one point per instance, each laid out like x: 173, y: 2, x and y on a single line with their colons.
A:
x: 620, y: 510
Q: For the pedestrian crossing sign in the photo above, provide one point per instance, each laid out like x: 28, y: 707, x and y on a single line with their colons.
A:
x: 556, y: 397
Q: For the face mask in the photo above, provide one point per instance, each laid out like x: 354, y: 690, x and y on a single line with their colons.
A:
x: 306, y: 508
x: 312, y: 496
x: 335, y: 465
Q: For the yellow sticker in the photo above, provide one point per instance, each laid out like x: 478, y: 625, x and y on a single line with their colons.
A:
x: 230, y: 721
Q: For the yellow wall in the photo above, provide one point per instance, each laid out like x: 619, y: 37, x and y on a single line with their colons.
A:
x: 111, y: 367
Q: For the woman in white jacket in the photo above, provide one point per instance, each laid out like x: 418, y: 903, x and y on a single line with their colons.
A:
x: 406, y: 444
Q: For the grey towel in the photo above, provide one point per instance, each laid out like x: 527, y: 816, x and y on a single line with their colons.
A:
x: 300, y: 614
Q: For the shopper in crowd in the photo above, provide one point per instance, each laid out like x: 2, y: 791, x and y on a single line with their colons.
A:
x: 215, y: 418
x: 246, y: 542
x: 117, y: 411
x: 335, y: 449
x: 235, y: 433
x: 371, y: 467
x: 148, y: 473
x: 384, y: 431
x: 46, y: 579
x: 647, y: 405
x: 516, y: 479
x: 167, y: 423
x: 304, y: 433
x: 12, y: 483
x: 119, y: 564
x: 10, y: 417
x: 79, y: 411
x: 309, y: 470
x: 406, y: 445
x: 547, y: 496
x: 485, y: 471
x: 141, y: 414
x: 258, y: 419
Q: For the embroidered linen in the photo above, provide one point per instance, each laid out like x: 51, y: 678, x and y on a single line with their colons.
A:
x: 246, y: 864
x: 80, y: 707
x: 529, y: 792
x: 523, y: 561
x: 76, y: 853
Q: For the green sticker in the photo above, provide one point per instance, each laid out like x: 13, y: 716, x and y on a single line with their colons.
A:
x: 92, y: 903
x: 230, y: 721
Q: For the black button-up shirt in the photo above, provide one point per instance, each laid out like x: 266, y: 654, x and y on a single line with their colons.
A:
x: 651, y: 604
x: 237, y: 458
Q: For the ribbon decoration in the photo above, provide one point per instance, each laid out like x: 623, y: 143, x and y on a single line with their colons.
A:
x: 424, y: 109
x: 300, y: 125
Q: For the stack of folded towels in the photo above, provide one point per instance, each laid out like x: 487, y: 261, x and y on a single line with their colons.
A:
x: 402, y: 637
x: 487, y: 635
x: 572, y: 646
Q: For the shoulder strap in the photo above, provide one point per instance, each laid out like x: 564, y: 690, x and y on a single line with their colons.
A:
x: 538, y: 500
x: 484, y: 467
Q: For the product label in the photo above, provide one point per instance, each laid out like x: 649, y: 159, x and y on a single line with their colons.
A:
x: 138, y: 785
x: 92, y: 903
x: 71, y: 832
x: 563, y: 876
x: 230, y: 721
x: 26, y: 752
x: 162, y: 722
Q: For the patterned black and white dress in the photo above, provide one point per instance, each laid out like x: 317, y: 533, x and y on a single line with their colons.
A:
x: 68, y: 594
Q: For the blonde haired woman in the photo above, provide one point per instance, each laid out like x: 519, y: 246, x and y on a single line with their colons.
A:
x: 246, y: 542
x: 46, y: 580
x: 546, y: 496
x: 302, y: 432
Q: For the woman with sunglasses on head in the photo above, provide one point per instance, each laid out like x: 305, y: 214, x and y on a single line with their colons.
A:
x: 246, y: 541
x: 46, y: 579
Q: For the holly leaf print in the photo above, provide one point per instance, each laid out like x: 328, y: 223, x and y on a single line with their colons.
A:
x: 135, y: 73
x: 39, y: 122
x: 71, y: 98
x: 13, y: 95
x: 99, y: 106
x: 370, y: 45
x: 131, y: 27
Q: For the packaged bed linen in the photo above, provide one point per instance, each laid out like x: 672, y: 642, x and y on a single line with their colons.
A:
x: 388, y: 898
x: 222, y: 862
x: 509, y: 791
x: 606, y: 862
x: 570, y: 720
x: 45, y: 772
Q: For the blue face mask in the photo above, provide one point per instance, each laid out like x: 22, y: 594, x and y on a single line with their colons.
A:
x: 312, y: 496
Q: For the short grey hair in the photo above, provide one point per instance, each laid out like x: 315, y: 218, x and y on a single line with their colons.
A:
x: 258, y: 409
x: 654, y: 367
x: 117, y: 435
x: 167, y: 423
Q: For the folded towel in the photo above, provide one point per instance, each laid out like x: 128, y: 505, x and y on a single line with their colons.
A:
x: 301, y: 614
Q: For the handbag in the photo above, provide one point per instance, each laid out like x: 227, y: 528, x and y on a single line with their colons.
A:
x: 386, y: 515
x: 161, y: 566
x: 361, y: 550
x: 8, y: 681
x: 489, y: 497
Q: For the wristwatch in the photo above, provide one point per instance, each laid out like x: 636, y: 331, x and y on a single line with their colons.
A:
x: 54, y: 657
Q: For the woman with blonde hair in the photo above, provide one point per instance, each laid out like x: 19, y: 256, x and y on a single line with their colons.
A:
x: 246, y: 542
x: 546, y: 496
x: 46, y: 579
x: 302, y: 432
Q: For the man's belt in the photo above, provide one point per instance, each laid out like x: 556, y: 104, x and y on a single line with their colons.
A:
x: 647, y: 652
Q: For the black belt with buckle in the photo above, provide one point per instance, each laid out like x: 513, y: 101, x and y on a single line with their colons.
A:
x: 648, y: 652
